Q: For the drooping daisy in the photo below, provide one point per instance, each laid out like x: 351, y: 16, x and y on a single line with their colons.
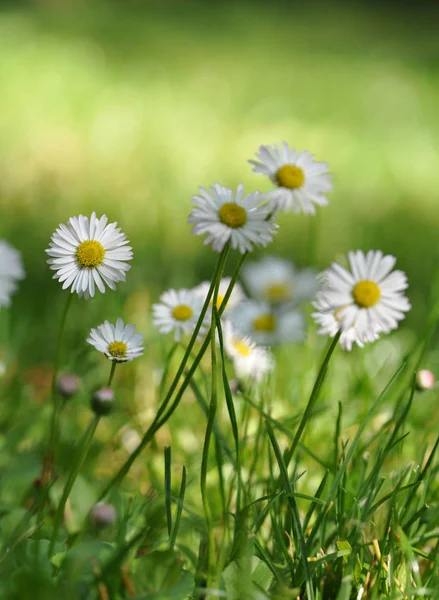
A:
x: 88, y: 253
x: 119, y: 343
x: 267, y: 326
x: 178, y: 311
x: 276, y: 281
x: 370, y: 297
x: 250, y: 361
x: 330, y: 325
x: 236, y: 296
x: 11, y: 271
x: 235, y: 218
x: 301, y: 182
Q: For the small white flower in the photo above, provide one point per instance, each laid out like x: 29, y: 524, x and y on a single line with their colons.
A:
x: 369, y: 298
x: 267, y: 326
x: 11, y: 271
x: 236, y: 296
x: 228, y: 218
x: 178, y: 311
x: 250, y: 361
x: 301, y: 182
x: 276, y: 281
x: 119, y: 342
x: 87, y: 253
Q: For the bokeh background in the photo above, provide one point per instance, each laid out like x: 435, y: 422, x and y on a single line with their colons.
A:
x: 127, y: 107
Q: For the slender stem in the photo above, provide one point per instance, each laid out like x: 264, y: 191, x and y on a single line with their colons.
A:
x: 207, y: 438
x: 160, y: 420
x: 84, y: 447
x: 56, y: 405
x: 112, y: 370
x: 312, y: 399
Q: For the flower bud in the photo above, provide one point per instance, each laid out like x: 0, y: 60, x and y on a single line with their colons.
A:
x: 102, y: 401
x: 68, y: 385
x: 102, y: 515
x: 424, y: 380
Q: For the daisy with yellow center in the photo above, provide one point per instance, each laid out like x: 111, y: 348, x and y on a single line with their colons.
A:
x: 301, y: 183
x: 266, y: 325
x: 366, y: 300
x: 276, y: 281
x: 249, y: 360
x: 235, y: 298
x: 89, y: 253
x: 11, y: 271
x: 118, y: 342
x: 178, y: 311
x: 226, y: 217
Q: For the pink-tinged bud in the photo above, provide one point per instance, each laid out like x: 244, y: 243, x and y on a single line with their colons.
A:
x: 424, y: 380
x: 102, y: 515
x: 102, y: 401
x: 68, y: 385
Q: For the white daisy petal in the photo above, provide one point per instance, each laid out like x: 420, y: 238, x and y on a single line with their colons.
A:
x: 11, y: 271
x: 267, y: 325
x: 250, y: 361
x: 237, y: 219
x: 300, y: 182
x: 88, y: 253
x: 179, y: 311
x: 364, y: 303
x: 111, y: 341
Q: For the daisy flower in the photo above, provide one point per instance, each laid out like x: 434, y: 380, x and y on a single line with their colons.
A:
x: 276, y: 281
x: 11, y: 271
x: 300, y: 181
x: 249, y: 361
x: 236, y: 296
x: 87, y: 252
x: 178, y: 311
x: 267, y: 326
x: 369, y: 297
x: 329, y: 324
x: 119, y: 342
x: 236, y: 219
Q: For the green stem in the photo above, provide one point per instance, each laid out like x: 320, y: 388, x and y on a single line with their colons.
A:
x: 84, y: 447
x: 160, y: 420
x: 56, y: 405
x: 207, y: 438
x: 312, y: 399
x: 112, y: 370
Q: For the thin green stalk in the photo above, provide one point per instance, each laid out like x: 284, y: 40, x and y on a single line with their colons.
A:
x: 84, y: 447
x: 209, y: 429
x: 56, y: 405
x: 312, y: 399
x: 160, y: 420
x: 112, y: 370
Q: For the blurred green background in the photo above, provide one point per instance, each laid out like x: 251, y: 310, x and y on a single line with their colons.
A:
x: 127, y: 107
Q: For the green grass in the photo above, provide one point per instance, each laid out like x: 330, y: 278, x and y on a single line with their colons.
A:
x: 127, y: 110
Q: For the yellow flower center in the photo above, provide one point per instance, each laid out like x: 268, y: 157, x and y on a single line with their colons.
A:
x: 278, y: 292
x: 290, y: 176
x: 241, y: 347
x: 90, y: 254
x: 265, y: 322
x: 182, y: 312
x: 219, y: 301
x: 117, y: 349
x: 366, y: 293
x: 232, y: 215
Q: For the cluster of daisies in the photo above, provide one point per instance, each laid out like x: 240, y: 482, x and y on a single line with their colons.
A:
x: 266, y: 314
x: 359, y: 303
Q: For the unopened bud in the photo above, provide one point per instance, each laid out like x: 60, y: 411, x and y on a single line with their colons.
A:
x: 424, y: 380
x: 68, y: 385
x: 102, y: 515
x: 102, y: 401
